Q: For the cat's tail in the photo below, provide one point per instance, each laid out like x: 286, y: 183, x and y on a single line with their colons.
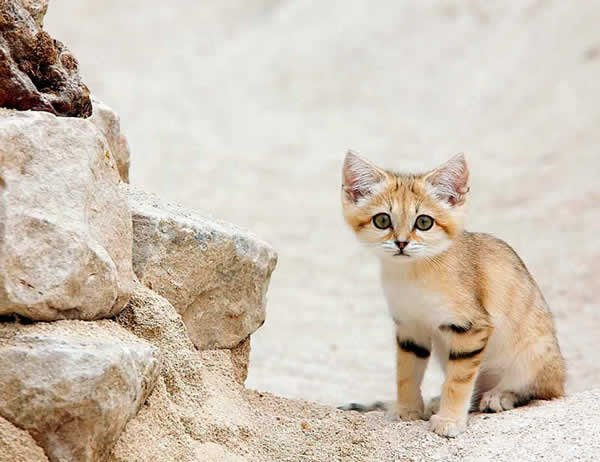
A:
x: 375, y: 406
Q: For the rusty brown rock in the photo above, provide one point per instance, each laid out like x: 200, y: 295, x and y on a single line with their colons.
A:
x: 37, y: 72
x: 37, y: 9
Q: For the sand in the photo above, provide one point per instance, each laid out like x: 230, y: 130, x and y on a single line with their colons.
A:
x: 243, y: 110
x: 199, y: 412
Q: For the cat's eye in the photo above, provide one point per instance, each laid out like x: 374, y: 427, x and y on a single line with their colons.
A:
x: 382, y: 221
x: 424, y: 222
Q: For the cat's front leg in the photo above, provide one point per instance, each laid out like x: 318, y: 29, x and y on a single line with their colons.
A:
x: 413, y: 348
x: 464, y: 359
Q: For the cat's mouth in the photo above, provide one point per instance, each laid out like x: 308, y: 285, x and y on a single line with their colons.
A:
x: 401, y: 253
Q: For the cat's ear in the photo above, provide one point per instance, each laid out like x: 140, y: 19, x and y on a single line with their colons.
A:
x: 451, y: 181
x: 360, y: 178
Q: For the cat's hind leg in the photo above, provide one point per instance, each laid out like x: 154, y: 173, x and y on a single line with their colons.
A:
x: 498, y: 401
x: 538, y: 373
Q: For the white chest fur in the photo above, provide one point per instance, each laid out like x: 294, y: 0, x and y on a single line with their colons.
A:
x: 411, y: 301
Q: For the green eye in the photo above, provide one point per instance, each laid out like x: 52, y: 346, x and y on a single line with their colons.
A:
x: 382, y: 221
x: 424, y: 222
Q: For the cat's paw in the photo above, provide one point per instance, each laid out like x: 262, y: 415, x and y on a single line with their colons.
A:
x: 497, y: 401
x: 445, y: 426
x: 432, y: 408
x: 398, y: 412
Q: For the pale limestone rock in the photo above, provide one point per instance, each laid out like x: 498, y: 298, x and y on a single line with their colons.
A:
x: 73, y: 385
x: 65, y: 228
x: 109, y: 124
x: 214, y: 274
x: 17, y: 445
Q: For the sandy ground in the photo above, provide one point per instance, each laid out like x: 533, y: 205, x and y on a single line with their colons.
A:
x: 244, y: 109
x: 199, y: 412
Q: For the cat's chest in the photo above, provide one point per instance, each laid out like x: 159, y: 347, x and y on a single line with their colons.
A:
x: 411, y: 301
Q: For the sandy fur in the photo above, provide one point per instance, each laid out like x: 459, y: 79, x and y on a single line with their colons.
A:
x: 467, y: 295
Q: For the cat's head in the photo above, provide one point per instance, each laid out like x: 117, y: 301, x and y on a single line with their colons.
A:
x: 405, y: 217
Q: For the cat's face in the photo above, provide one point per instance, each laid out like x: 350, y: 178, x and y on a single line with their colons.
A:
x: 404, y: 217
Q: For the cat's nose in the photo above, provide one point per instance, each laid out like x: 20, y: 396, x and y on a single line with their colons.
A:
x: 401, y: 244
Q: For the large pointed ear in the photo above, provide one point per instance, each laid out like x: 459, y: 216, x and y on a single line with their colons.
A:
x: 451, y: 181
x: 360, y: 178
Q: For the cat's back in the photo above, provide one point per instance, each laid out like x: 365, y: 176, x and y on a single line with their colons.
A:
x: 491, y: 256
x: 491, y: 250
x: 501, y: 276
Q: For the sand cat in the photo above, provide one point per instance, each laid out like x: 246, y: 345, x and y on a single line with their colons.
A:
x: 466, y: 295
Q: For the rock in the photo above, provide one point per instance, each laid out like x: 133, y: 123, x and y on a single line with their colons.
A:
x: 17, y: 445
x: 65, y: 228
x: 36, y: 71
x: 73, y: 385
x: 37, y: 9
x: 214, y: 274
x: 109, y: 124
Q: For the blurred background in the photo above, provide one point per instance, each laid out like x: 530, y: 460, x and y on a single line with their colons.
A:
x: 243, y: 109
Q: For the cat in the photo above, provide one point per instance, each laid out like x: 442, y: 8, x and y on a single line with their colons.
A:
x: 467, y: 295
